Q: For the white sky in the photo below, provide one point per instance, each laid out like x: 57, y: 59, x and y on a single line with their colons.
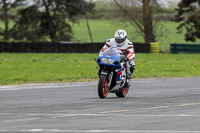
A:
x: 166, y: 3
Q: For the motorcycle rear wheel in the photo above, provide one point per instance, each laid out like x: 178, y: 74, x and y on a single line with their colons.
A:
x: 124, y: 92
x: 103, y: 88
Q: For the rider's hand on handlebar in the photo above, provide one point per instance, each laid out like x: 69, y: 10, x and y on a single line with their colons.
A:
x: 123, y: 58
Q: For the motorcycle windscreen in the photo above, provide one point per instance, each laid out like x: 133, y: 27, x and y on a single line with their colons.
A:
x: 112, y: 51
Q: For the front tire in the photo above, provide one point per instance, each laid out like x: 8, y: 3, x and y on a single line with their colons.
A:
x: 103, y: 88
x: 124, y: 92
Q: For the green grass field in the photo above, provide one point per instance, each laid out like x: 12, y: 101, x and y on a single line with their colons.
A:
x: 45, y: 68
x: 104, y: 29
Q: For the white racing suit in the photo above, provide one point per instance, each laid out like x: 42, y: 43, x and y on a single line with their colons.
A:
x: 127, y: 50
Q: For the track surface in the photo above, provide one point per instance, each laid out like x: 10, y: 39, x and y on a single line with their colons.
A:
x: 152, y: 105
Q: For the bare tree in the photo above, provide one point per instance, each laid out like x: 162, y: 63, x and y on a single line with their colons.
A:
x: 139, y: 13
x: 5, y: 17
x: 85, y: 10
x: 147, y: 22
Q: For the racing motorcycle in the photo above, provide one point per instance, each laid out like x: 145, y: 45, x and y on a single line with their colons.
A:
x: 112, y: 73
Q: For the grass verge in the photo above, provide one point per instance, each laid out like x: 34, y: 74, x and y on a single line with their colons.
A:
x: 46, y: 68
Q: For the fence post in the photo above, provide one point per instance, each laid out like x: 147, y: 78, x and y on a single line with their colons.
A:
x: 154, y: 47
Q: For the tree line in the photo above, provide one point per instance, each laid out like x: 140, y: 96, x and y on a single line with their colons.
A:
x: 143, y: 13
x: 43, y: 20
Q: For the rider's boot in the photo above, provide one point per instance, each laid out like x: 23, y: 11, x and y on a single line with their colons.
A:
x: 128, y: 80
x: 129, y: 74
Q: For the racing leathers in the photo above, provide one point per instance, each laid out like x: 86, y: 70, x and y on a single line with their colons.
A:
x: 128, y: 54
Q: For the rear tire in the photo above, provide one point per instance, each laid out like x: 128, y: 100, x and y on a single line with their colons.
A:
x: 102, y: 86
x: 124, y: 92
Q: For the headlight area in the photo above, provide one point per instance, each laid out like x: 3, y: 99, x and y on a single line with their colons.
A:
x: 107, y: 61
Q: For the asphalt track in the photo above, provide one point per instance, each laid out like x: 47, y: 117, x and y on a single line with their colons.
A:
x: 151, y: 106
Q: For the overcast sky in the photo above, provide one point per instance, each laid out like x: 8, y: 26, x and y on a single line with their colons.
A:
x: 166, y: 3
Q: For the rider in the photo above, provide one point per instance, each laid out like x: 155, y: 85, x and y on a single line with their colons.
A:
x: 120, y: 41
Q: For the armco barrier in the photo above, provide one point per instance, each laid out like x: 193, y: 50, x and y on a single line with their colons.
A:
x: 184, y: 48
x: 60, y: 47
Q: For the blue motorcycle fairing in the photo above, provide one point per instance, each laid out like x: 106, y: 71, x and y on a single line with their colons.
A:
x: 110, y: 53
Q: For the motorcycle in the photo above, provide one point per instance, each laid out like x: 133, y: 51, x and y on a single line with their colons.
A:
x: 112, y: 73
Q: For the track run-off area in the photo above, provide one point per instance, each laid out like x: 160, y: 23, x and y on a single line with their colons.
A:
x: 166, y: 105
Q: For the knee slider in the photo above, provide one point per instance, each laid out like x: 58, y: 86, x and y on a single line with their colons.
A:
x: 132, y: 68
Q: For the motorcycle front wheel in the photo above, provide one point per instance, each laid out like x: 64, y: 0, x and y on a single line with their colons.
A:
x: 124, y: 92
x: 103, y: 88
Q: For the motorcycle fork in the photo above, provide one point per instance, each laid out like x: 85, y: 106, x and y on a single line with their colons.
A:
x: 109, y: 76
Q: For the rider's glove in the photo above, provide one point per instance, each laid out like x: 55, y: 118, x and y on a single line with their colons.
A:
x: 123, y: 58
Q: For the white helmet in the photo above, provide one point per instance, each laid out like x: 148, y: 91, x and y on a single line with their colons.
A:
x: 120, y: 37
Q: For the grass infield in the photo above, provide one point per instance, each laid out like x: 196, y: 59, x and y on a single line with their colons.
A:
x: 46, y: 68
